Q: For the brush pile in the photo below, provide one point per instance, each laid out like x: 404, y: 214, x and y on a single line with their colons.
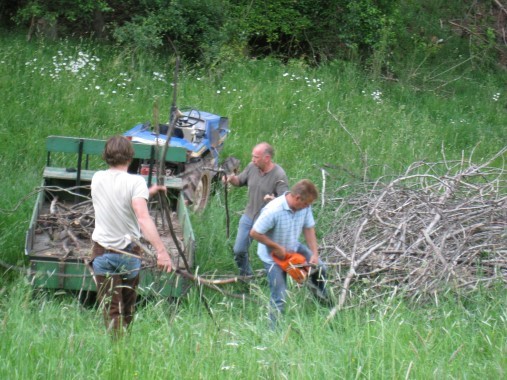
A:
x: 68, y: 228
x: 437, y: 226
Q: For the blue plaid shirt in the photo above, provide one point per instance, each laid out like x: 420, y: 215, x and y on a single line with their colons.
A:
x: 282, y: 225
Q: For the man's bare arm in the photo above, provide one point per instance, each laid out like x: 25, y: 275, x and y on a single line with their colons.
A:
x: 232, y: 179
x: 311, y: 241
x: 275, y: 248
x: 150, y: 233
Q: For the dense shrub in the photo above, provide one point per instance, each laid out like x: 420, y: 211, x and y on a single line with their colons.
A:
x: 378, y: 32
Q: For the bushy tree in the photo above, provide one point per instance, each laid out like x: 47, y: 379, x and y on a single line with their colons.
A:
x: 315, y: 29
x: 193, y: 27
x: 53, y: 17
x: 211, y: 31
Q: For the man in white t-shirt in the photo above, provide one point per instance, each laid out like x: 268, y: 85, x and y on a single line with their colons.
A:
x: 120, y: 201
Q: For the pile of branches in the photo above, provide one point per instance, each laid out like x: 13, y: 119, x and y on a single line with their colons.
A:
x: 438, y: 226
x: 68, y: 227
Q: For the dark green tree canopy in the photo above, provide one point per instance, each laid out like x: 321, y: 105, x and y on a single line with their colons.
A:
x: 210, y: 31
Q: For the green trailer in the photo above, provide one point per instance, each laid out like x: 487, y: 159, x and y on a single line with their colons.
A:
x: 58, y: 240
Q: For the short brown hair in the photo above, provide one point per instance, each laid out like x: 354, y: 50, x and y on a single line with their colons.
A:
x: 118, y: 151
x: 305, y: 189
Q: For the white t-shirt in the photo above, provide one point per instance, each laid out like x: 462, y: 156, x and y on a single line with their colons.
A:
x: 112, y: 195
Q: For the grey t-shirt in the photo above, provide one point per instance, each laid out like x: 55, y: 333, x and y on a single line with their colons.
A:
x: 273, y: 182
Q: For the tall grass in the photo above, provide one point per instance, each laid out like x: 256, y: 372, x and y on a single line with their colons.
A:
x: 47, y: 336
x: 312, y: 117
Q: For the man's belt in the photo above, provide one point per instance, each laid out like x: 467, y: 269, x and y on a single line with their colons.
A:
x: 99, y: 250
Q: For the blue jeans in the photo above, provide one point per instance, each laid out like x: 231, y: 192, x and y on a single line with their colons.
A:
x: 277, y: 280
x: 116, y: 263
x: 242, y: 244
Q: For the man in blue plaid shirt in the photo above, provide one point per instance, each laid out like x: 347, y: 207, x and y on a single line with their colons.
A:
x: 278, y: 229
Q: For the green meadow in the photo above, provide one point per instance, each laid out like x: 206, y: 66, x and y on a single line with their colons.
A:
x: 336, y: 115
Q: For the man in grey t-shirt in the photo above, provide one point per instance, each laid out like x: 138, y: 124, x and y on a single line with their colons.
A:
x: 266, y: 181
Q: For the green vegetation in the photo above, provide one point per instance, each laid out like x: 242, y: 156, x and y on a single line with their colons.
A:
x: 312, y: 116
x: 43, y: 337
x: 209, y: 31
x: 383, y: 34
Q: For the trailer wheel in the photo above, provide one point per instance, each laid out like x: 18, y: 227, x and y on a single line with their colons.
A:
x: 202, y: 192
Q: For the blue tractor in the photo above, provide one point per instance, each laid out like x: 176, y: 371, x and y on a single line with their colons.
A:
x: 202, y: 135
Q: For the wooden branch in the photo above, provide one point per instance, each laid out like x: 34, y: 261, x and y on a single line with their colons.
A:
x: 502, y: 8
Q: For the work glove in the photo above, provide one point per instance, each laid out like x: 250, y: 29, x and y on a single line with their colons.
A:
x: 294, y: 264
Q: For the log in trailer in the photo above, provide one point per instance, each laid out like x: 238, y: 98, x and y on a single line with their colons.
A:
x: 58, y: 240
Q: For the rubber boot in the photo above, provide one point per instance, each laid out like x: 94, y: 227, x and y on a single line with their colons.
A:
x: 243, y: 263
x: 318, y: 278
x: 110, y: 296
x: 129, y: 299
x: 317, y: 284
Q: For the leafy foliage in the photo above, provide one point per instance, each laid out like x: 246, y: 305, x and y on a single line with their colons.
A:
x: 382, y: 34
x: 318, y: 30
x: 193, y: 26
x: 71, y: 14
x: 209, y: 30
